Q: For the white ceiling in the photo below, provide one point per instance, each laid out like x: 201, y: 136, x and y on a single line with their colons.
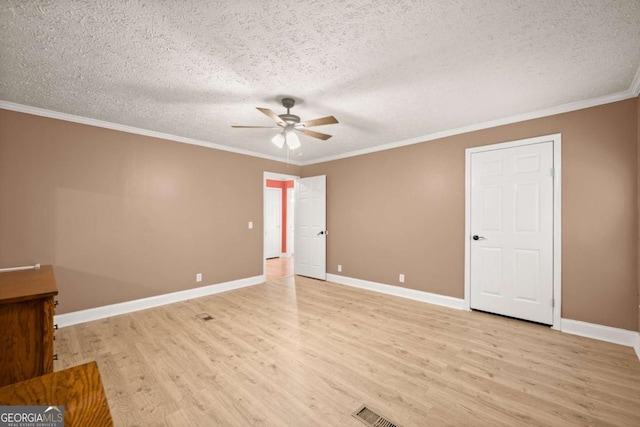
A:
x: 390, y: 71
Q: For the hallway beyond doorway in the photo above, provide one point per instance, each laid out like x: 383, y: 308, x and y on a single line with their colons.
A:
x: 278, y: 268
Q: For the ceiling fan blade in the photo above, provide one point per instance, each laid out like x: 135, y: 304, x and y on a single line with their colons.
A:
x: 273, y: 116
x: 311, y: 133
x: 256, y: 127
x: 329, y: 120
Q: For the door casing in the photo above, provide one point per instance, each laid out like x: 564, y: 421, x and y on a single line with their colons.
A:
x: 556, y: 139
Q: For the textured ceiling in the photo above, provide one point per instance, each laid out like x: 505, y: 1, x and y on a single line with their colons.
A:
x: 388, y: 70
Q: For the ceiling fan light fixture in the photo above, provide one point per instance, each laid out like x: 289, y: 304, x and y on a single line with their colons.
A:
x: 289, y: 123
x: 292, y: 139
x: 278, y: 140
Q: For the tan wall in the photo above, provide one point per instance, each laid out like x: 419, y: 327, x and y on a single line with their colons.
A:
x: 402, y: 211
x: 124, y: 216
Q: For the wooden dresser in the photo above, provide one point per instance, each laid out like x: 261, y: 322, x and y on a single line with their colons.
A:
x: 26, y: 324
x: 78, y: 389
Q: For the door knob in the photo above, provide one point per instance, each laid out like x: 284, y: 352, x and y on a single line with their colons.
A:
x: 476, y: 237
x: 320, y: 233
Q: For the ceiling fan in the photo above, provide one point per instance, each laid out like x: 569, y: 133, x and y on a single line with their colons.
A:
x: 290, y: 123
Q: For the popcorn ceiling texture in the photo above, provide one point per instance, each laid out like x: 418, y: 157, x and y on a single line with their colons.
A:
x: 388, y: 70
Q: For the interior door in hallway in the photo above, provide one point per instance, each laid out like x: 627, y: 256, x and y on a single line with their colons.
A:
x: 511, y: 269
x: 273, y: 220
x: 311, y: 228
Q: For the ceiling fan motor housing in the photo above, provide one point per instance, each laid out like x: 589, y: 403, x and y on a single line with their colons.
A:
x: 291, y: 119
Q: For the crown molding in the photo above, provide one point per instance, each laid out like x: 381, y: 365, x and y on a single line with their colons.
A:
x: 632, y: 92
x: 565, y: 108
x: 6, y: 105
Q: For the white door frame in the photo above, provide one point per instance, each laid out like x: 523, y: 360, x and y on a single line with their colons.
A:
x: 279, y: 177
x: 556, y: 140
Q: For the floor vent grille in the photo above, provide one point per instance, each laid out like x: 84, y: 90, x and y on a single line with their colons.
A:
x: 204, y: 317
x: 371, y: 418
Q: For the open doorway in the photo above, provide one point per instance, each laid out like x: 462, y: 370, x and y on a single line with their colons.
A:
x: 279, y: 201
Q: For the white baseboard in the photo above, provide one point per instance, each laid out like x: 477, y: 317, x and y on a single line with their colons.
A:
x: 90, y: 314
x: 636, y: 347
x: 600, y: 332
x: 398, y: 291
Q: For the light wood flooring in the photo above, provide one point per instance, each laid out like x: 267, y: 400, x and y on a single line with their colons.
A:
x: 278, y: 268
x: 300, y: 352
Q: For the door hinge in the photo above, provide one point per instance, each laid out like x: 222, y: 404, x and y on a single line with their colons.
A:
x: 553, y: 302
x: 552, y: 172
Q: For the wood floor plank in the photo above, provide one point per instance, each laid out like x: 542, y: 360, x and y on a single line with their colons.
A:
x: 279, y: 268
x: 303, y: 352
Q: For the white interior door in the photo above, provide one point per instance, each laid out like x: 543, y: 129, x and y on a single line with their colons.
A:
x: 311, y: 228
x: 273, y: 222
x: 290, y: 220
x: 511, y: 264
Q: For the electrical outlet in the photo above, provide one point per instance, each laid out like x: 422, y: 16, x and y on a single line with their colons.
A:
x: 401, y: 278
x: 339, y: 268
x: 250, y: 225
x: 199, y: 277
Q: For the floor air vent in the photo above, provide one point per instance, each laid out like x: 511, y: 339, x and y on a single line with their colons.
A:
x: 371, y: 418
x: 204, y: 317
